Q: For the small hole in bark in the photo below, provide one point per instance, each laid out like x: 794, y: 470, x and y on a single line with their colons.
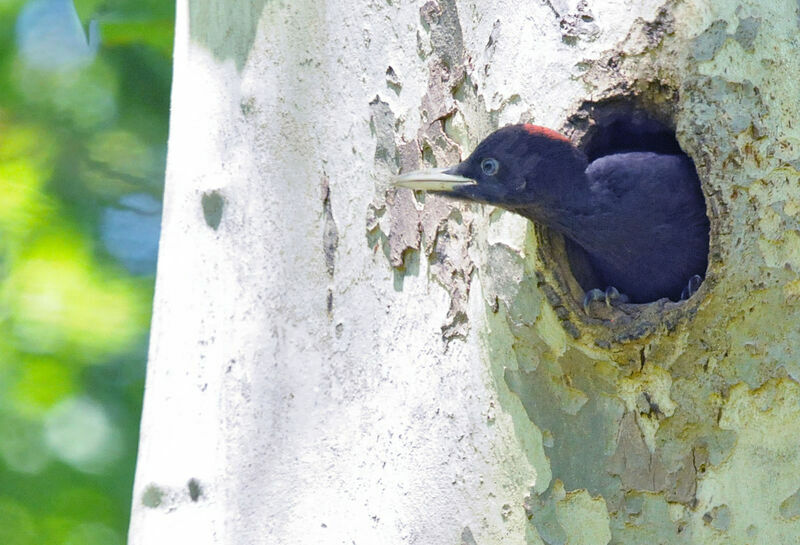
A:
x: 626, y: 125
x: 213, y: 204
x: 195, y: 490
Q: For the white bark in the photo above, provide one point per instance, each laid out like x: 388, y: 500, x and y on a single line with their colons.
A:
x: 321, y: 372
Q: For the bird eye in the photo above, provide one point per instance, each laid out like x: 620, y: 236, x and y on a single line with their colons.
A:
x: 490, y: 166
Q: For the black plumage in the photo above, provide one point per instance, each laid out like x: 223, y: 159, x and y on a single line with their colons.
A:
x: 639, y: 216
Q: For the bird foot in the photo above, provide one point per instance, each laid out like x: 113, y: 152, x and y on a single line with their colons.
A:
x: 692, y: 287
x: 611, y: 296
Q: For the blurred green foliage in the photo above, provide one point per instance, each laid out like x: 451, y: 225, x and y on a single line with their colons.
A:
x: 82, y: 157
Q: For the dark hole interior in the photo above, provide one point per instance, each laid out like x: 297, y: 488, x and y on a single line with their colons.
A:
x: 629, y: 132
x: 616, y: 130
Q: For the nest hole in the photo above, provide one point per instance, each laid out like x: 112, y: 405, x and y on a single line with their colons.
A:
x: 620, y: 125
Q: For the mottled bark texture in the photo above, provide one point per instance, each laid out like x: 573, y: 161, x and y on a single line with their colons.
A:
x: 334, y: 361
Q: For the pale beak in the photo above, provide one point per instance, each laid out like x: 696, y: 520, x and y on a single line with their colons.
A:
x: 433, y: 179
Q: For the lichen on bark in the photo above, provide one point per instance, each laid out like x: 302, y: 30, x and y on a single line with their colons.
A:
x: 634, y: 411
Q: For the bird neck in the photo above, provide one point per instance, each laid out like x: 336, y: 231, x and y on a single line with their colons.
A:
x: 563, y: 204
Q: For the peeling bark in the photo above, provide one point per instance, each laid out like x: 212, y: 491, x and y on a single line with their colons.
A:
x: 334, y: 360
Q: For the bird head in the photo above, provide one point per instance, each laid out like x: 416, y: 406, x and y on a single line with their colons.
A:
x: 516, y: 167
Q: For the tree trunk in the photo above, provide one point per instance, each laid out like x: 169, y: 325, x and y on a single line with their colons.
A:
x: 334, y: 361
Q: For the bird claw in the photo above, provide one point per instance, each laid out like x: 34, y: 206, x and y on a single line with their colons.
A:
x: 614, y: 296
x: 592, y: 296
x: 692, y: 287
x: 610, y: 296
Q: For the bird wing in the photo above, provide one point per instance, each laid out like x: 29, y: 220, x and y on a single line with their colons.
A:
x: 647, y: 224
